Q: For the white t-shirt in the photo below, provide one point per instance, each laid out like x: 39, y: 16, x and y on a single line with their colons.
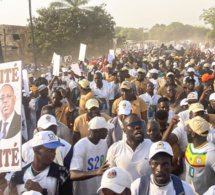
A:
x: 105, y: 92
x: 151, y: 103
x: 133, y: 72
x: 88, y: 157
x: 136, y: 163
x: 28, y: 153
x: 165, y: 190
x: 45, y: 182
x: 183, y: 115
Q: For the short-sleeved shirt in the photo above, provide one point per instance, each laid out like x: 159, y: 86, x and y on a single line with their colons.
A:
x: 130, y: 78
x: 155, y: 190
x: 137, y: 106
x: 81, y: 124
x: 136, y: 163
x: 88, y: 157
x: 141, y: 84
x: 200, y: 166
x: 105, y: 92
x: 83, y: 101
x: 61, y: 113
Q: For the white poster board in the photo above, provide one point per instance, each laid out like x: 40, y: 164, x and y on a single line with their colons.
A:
x: 82, y: 52
x: 75, y: 68
x: 25, y: 81
x: 10, y: 105
x: 112, y: 52
x: 56, y: 67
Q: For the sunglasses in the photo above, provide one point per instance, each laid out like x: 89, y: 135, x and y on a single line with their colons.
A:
x: 134, y: 124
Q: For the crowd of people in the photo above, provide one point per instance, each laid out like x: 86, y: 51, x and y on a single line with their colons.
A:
x: 143, y: 124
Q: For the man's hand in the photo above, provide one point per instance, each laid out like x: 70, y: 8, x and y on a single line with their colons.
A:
x: 3, y: 182
x: 103, y: 168
x: 174, y: 120
x: 63, y: 92
x: 30, y: 185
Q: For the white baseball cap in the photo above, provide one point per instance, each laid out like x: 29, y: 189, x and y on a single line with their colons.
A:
x: 158, y: 147
x: 65, y: 69
x: 192, y: 96
x: 99, y: 123
x: 212, y: 97
x: 31, y: 193
x: 47, y: 139
x: 190, y: 70
x: 175, y: 65
x: 41, y: 87
x: 213, y: 64
x: 184, y: 102
x: 115, y: 179
x: 46, y: 121
x: 187, y: 64
x: 153, y: 71
x: 124, y: 107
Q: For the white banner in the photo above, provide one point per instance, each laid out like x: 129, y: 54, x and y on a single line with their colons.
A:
x: 112, y: 52
x: 25, y: 81
x: 56, y: 66
x: 82, y: 52
x: 10, y: 106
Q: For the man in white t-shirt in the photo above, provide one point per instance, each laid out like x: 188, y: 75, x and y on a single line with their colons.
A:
x: 131, y: 154
x: 42, y: 175
x: 160, y: 181
x: 64, y: 153
x: 88, y: 162
x: 103, y: 93
x: 151, y: 100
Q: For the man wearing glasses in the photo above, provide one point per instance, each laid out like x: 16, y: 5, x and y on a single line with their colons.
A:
x: 132, y: 153
x: 10, y: 123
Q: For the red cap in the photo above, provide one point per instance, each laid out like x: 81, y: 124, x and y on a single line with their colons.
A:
x: 206, y: 77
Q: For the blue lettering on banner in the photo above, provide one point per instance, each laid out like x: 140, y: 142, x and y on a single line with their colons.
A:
x: 96, y: 163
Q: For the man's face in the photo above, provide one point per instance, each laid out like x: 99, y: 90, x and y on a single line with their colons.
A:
x: 170, y: 91
x: 212, y: 102
x: 7, y: 101
x: 126, y: 94
x: 150, y: 88
x: 133, y: 127
x: 190, y: 86
x: 140, y: 76
x: 46, y: 155
x: 170, y: 79
x: 98, y: 79
x: 153, y: 132
x: 92, y: 112
x: 161, y: 168
x: 44, y: 92
x: 163, y: 124
x: 55, y: 99
x: 106, y: 191
x: 164, y: 106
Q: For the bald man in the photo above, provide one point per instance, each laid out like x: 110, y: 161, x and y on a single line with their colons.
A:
x: 10, y: 123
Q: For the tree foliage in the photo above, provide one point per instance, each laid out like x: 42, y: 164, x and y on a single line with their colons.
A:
x: 175, y: 31
x: 209, y: 18
x: 62, y: 31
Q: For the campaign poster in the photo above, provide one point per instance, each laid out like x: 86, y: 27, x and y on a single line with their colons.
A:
x: 82, y: 52
x: 56, y: 66
x: 10, y: 116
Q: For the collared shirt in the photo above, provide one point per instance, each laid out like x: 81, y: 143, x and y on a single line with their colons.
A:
x: 105, y: 92
x: 136, y: 163
x: 9, y: 120
x: 137, y: 106
x: 81, y: 124
x: 163, y: 91
x: 61, y: 113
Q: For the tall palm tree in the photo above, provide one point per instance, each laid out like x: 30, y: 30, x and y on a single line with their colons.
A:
x: 68, y: 4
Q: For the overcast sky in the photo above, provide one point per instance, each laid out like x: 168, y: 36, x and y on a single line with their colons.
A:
x: 126, y: 13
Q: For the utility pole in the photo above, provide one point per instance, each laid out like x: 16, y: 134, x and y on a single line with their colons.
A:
x: 32, y: 34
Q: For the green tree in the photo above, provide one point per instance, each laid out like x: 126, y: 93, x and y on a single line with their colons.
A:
x: 57, y: 30
x: 209, y: 18
x: 68, y: 4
